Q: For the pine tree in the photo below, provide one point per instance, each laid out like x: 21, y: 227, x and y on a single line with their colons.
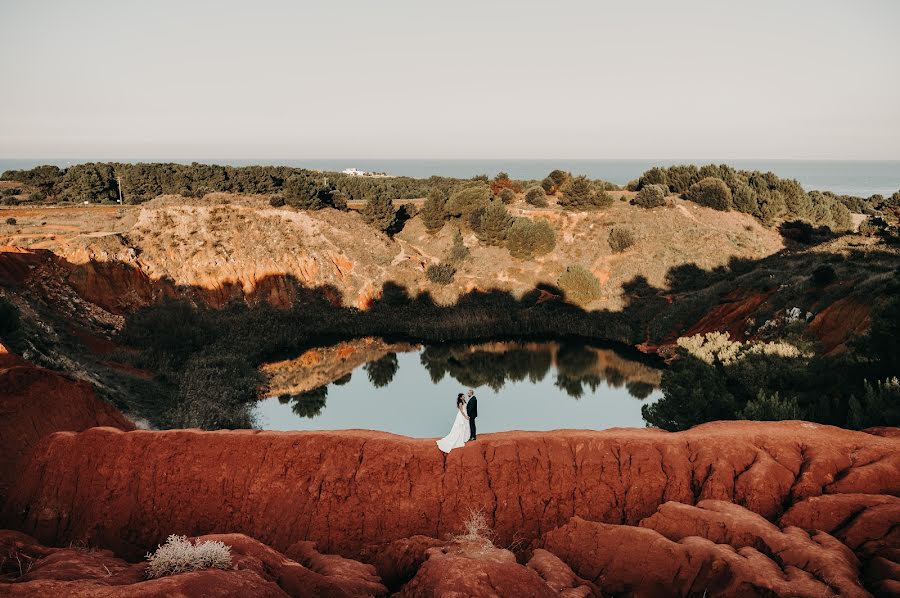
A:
x: 579, y: 194
x: 493, y: 225
x: 379, y: 212
x: 434, y: 211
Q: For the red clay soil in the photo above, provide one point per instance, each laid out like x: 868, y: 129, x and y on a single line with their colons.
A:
x: 35, y: 402
x: 346, y: 490
x: 840, y: 321
x: 730, y: 315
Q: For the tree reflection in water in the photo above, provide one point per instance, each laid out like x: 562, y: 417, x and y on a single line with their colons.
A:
x: 579, y: 369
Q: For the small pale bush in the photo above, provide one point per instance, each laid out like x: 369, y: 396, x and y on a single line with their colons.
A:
x: 717, y: 347
x: 180, y: 555
x: 579, y: 284
x: 476, y: 531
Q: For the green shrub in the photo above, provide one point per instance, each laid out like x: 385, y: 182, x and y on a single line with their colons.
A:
x: 440, y: 273
x: 307, y: 193
x: 841, y: 218
x: 651, y: 196
x: 10, y: 191
x: 711, y: 192
x: 458, y: 251
x: 507, y: 195
x: 654, y: 176
x: 11, y: 221
x: 530, y: 238
x: 579, y: 194
x: 434, y: 211
x: 679, y: 178
x: 380, y: 213
x: 880, y: 405
x: 620, y: 239
x: 276, y: 201
x: 745, y: 200
x: 465, y: 200
x: 770, y: 407
x: 535, y: 196
x: 554, y: 181
x: 491, y: 224
x: 579, y: 285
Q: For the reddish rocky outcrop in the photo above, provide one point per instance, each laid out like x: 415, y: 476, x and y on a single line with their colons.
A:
x: 686, y: 559
x: 346, y: 490
x: 29, y: 569
x: 35, y: 402
x: 474, y: 568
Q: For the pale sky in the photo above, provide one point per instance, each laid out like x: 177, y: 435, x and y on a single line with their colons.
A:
x: 451, y: 79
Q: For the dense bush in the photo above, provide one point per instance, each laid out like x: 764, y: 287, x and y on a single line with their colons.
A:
x: 507, y: 195
x: 380, y: 213
x: 536, y: 196
x: 491, y: 224
x: 434, y: 210
x: 308, y: 193
x: 440, y: 273
x: 466, y: 199
x: 11, y: 221
x: 579, y: 285
x: 711, y: 192
x: 530, y: 238
x: 651, y: 196
x: 276, y: 201
x: 553, y: 181
x: 579, y: 193
x: 620, y: 239
x: 762, y: 194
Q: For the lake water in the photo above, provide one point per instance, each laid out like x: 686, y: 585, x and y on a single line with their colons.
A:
x: 853, y: 177
x: 534, y: 386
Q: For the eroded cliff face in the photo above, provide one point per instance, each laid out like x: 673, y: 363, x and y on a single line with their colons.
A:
x: 732, y: 508
x: 35, y: 402
x: 345, y: 490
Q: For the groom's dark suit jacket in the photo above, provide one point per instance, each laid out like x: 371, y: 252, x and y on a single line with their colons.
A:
x: 472, y: 407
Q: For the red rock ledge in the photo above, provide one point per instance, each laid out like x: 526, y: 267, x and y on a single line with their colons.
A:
x: 344, y: 490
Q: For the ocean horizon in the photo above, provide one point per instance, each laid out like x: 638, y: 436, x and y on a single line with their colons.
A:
x: 861, y: 178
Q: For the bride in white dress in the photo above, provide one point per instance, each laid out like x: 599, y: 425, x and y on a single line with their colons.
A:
x: 460, y: 430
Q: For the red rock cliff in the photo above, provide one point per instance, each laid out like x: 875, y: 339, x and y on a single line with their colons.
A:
x: 129, y: 490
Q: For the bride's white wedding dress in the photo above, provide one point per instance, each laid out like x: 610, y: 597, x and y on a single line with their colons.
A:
x: 458, y: 435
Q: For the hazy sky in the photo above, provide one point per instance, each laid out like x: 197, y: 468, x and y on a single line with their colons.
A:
x: 392, y: 79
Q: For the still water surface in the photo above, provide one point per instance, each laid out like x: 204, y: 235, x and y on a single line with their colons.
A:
x: 535, y: 386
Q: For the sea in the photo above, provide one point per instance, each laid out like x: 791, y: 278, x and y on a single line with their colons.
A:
x: 861, y: 178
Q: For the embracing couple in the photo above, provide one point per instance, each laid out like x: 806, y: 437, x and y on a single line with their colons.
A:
x: 466, y: 411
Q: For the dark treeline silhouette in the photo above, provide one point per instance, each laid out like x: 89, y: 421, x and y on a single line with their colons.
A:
x: 184, y: 342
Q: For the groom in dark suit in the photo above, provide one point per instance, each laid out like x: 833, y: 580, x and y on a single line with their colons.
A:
x: 472, y: 412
